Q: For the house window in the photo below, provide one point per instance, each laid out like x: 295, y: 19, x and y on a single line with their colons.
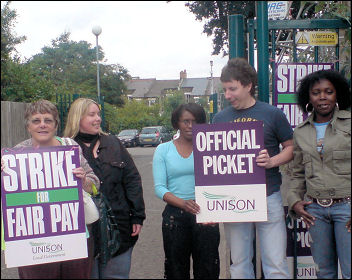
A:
x: 151, y: 102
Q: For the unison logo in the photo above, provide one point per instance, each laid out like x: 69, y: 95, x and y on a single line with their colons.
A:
x: 229, y: 203
x: 39, y: 248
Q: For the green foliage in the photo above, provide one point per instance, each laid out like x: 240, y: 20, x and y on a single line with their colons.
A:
x: 71, y: 66
x: 9, y: 40
x: 134, y: 114
x: 23, y: 85
x: 333, y: 10
x: 215, y: 15
x: 172, y: 99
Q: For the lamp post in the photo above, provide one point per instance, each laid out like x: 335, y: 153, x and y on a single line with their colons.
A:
x: 96, y: 31
x: 211, y: 75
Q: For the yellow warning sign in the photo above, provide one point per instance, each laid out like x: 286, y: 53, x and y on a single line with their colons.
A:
x: 302, y: 40
x: 317, y: 38
x: 323, y: 38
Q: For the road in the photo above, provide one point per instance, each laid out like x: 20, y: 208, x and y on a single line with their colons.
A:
x: 148, y: 254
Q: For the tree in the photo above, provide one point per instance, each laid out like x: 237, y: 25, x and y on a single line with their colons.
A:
x: 71, y: 67
x: 339, y: 10
x: 134, y: 114
x: 23, y: 85
x: 9, y: 40
x: 172, y: 99
x: 113, y: 83
x: 215, y: 15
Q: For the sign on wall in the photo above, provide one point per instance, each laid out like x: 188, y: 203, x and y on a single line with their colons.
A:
x: 316, y: 38
x: 287, y: 76
x: 277, y: 9
x: 42, y: 206
x: 229, y: 186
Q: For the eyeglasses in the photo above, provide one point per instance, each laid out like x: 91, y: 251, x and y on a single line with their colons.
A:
x: 188, y: 122
x: 46, y: 121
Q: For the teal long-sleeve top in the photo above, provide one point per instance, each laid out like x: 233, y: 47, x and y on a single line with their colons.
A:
x: 173, y: 173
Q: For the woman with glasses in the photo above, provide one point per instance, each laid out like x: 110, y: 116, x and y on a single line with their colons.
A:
x: 42, y: 121
x: 173, y: 172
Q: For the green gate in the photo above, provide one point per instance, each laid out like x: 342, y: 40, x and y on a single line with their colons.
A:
x: 266, y: 53
x: 63, y: 103
x: 262, y: 26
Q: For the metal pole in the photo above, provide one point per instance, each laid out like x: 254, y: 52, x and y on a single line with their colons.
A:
x: 98, y: 79
x: 236, y: 36
x: 212, y: 87
x: 263, y: 53
x: 250, y: 41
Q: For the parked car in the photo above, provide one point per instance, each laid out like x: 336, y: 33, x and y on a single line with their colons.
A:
x: 154, y: 135
x: 129, y: 137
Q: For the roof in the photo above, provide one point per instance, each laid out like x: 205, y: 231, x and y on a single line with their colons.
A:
x: 198, y: 85
x: 139, y: 87
x: 152, y: 88
x: 160, y: 87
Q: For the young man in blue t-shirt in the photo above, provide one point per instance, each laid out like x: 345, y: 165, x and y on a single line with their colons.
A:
x: 239, y: 80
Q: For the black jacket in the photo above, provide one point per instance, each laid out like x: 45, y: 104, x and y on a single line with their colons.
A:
x: 121, y: 183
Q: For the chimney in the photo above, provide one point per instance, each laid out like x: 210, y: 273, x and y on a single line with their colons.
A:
x: 183, y: 74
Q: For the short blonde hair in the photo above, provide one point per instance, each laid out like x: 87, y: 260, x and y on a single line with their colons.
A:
x: 41, y: 107
x: 78, y: 109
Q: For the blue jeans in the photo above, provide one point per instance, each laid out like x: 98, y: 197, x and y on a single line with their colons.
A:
x: 273, y: 240
x: 330, y: 239
x: 117, y: 268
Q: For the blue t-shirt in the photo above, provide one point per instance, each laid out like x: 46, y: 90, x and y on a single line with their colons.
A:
x: 320, y: 128
x: 277, y: 129
x: 173, y: 173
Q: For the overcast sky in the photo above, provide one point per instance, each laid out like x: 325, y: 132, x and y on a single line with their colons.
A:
x: 150, y: 39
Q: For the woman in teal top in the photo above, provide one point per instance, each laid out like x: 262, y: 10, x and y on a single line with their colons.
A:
x: 173, y: 172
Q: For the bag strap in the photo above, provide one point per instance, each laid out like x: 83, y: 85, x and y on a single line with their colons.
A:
x: 63, y: 140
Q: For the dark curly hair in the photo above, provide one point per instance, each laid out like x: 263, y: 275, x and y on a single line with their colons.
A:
x: 238, y: 69
x: 196, y: 110
x: 343, y: 92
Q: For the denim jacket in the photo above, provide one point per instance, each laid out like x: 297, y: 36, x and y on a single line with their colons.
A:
x: 329, y: 177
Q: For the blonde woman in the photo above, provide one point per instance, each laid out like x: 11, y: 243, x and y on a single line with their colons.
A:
x: 119, y: 179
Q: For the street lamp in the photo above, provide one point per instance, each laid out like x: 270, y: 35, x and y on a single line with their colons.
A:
x: 96, y: 31
x: 212, y: 80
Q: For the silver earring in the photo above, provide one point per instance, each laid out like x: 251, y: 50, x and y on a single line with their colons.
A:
x: 337, y: 105
x: 307, y: 108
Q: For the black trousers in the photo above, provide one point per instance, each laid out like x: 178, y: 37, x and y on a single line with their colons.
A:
x: 184, y: 238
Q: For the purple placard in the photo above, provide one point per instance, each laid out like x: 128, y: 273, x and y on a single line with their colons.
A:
x: 287, y: 76
x: 40, y: 195
x: 224, y: 153
x: 302, y: 237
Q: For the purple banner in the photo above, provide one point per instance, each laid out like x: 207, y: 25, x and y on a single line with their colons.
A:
x: 302, y: 237
x: 224, y: 153
x: 40, y: 195
x: 287, y: 76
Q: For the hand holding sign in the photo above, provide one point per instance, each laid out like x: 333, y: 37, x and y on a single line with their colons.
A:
x: 191, y: 206
x: 263, y: 159
x: 80, y: 173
